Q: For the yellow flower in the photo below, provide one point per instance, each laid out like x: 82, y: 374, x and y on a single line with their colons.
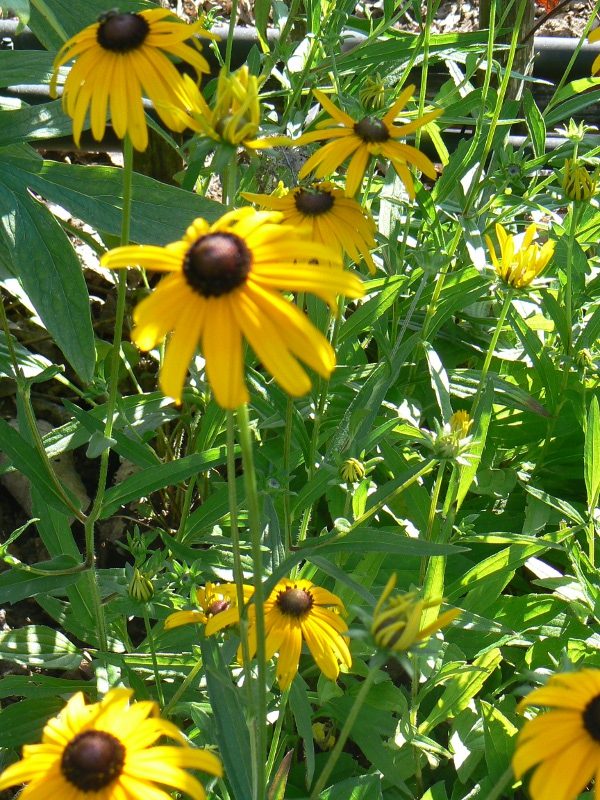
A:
x: 213, y: 599
x: 577, y: 182
x: 235, y: 115
x: 298, y: 611
x: 460, y: 424
x: 592, y: 39
x: 364, y: 138
x: 330, y: 217
x: 563, y: 744
x: 225, y: 284
x: 518, y: 267
x: 323, y: 734
x: 119, y: 59
x: 103, y: 751
x: 397, y: 620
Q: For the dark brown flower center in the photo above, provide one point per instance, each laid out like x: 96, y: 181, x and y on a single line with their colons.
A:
x: 313, y: 202
x: 92, y: 760
x: 371, y: 129
x: 217, y: 264
x: 591, y: 718
x: 294, y: 602
x: 217, y: 607
x: 121, y: 32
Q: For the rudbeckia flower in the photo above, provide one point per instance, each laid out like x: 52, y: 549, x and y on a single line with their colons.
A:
x: 361, y: 139
x: 330, y: 217
x: 104, y: 751
x: 298, y: 611
x: 563, y: 744
x: 121, y: 58
x: 225, y: 285
x: 235, y: 116
x: 396, y: 622
x: 578, y: 183
x: 213, y: 599
x: 592, y: 39
x: 519, y: 265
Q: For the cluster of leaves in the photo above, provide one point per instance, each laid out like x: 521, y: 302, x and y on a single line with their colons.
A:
x: 506, y: 533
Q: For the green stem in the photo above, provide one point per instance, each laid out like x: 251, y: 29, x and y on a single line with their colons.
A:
x: 432, y: 514
x: 182, y: 688
x: 277, y: 732
x: 376, y: 662
x: 260, y: 709
x: 571, y: 238
x: 427, y: 467
x: 150, y: 637
x: 50, y: 18
x: 497, y: 791
x: 491, y: 349
x: 287, y: 446
x: 229, y: 46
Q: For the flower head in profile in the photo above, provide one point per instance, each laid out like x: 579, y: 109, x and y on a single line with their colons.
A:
x: 296, y: 612
x: 452, y: 440
x: 517, y: 265
x: 577, y: 181
x: 213, y: 599
x: 224, y: 286
x: 361, y: 139
x: 120, y: 59
x: 329, y: 216
x: 562, y: 745
x: 105, y: 751
x: 396, y: 622
x: 235, y: 116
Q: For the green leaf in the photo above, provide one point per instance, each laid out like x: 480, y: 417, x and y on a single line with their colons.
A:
x: 467, y: 473
x: 44, y: 261
x: 499, y: 736
x: 45, y: 121
x: 535, y: 124
x: 362, y: 787
x: 261, y: 16
x: 572, y: 99
x: 30, y: 364
x: 17, y: 584
x: 28, y: 461
x: 232, y: 731
x: 25, y: 66
x: 38, y: 686
x: 149, y: 480
x: 39, y: 646
x: 23, y: 722
x: 459, y: 692
x: 300, y: 708
x: 439, y: 382
x: 591, y: 455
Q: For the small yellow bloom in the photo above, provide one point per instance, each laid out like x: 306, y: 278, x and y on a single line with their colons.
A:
x: 330, y: 217
x: 397, y: 619
x: 213, y: 599
x: 323, y: 734
x: 352, y: 470
x: 121, y: 58
x: 578, y: 183
x: 225, y: 285
x: 518, y: 267
x: 562, y: 745
x: 235, y: 115
x: 104, y: 751
x: 460, y: 424
x: 363, y: 139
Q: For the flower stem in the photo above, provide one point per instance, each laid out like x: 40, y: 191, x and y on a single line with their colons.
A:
x: 374, y: 665
x: 151, y: 645
x: 432, y: 514
x: 182, y: 688
x: 490, y: 352
x: 287, y: 444
x: 260, y: 708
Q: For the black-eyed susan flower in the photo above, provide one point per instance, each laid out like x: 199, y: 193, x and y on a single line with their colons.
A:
x: 361, y: 139
x: 212, y: 599
x: 120, y: 59
x: 105, y: 751
x: 225, y: 285
x: 235, y: 116
x: 592, y: 39
x: 298, y: 611
x: 330, y: 217
x: 577, y: 181
x: 396, y: 622
x: 517, y: 265
x: 451, y: 440
x: 562, y: 745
